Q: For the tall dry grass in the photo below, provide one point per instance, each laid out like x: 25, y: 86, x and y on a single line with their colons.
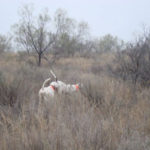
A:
x: 107, y: 114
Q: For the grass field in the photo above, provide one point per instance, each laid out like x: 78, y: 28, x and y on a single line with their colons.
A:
x: 108, y: 113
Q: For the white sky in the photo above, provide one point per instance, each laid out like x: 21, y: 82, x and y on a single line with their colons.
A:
x: 120, y: 18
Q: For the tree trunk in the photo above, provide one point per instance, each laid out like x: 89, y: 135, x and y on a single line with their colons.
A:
x: 39, y: 60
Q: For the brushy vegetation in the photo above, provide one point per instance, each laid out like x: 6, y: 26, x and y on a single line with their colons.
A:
x: 108, y: 114
x: 134, y: 63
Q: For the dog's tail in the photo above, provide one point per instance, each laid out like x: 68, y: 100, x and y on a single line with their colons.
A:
x: 45, y: 82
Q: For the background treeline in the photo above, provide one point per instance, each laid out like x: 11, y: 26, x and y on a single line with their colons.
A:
x: 110, y: 113
x: 58, y: 35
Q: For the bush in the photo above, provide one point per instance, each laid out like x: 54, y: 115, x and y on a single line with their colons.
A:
x: 8, y: 91
x: 133, y: 63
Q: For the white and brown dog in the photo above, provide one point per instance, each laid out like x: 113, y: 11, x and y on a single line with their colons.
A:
x: 56, y: 88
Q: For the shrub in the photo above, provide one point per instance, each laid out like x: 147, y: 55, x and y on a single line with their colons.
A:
x: 8, y: 91
x: 133, y: 63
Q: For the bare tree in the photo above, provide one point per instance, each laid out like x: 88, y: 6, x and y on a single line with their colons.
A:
x: 71, y: 36
x: 32, y: 33
x: 63, y: 23
x: 64, y: 26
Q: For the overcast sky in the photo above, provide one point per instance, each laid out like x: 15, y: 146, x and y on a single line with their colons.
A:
x: 120, y: 18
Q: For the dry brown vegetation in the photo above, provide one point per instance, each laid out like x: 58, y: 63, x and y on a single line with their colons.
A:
x: 108, y: 114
